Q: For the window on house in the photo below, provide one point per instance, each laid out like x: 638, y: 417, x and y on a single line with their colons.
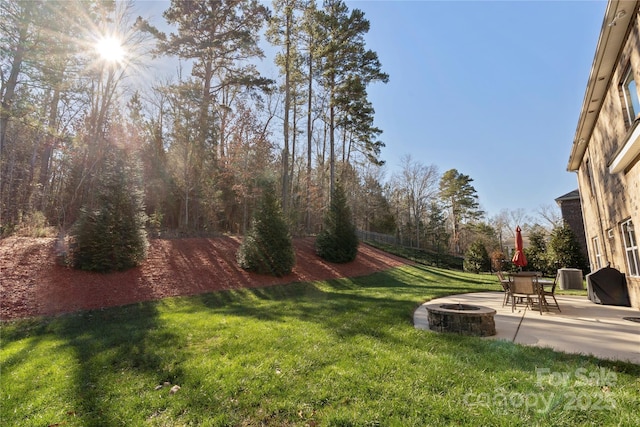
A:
x: 596, y: 251
x: 631, y: 248
x: 630, y: 92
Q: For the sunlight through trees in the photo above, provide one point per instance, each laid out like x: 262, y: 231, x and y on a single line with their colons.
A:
x: 78, y: 84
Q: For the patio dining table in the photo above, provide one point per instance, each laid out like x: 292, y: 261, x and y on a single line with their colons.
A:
x: 540, y: 281
x: 545, y: 282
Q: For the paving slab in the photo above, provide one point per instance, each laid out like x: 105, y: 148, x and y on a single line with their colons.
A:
x: 582, y: 326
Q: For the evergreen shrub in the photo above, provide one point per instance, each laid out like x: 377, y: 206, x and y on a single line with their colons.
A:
x: 112, y: 236
x: 564, y: 249
x: 338, y: 241
x: 267, y: 246
x: 477, y: 258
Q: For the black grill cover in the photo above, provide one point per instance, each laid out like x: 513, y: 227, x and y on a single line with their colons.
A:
x: 608, y: 286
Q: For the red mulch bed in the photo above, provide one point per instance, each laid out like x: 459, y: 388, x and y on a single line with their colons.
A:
x: 31, y: 284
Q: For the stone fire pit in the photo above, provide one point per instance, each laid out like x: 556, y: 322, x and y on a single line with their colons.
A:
x: 462, y: 319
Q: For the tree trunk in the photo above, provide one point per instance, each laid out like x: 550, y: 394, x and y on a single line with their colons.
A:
x: 332, y: 154
x: 293, y: 144
x: 309, y: 142
x: 287, y: 106
x: 49, y: 145
x: 203, y: 119
x: 12, y: 81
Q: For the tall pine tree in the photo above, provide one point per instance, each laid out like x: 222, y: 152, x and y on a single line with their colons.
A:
x: 460, y: 197
x: 347, y: 68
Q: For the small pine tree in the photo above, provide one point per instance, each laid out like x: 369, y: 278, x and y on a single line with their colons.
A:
x: 267, y: 246
x: 477, y: 258
x: 338, y: 242
x: 564, y: 250
x: 112, y: 237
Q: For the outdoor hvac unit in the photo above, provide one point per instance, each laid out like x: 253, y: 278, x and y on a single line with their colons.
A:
x: 570, y: 278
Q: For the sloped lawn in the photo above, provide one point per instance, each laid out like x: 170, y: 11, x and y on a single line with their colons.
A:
x: 336, y: 353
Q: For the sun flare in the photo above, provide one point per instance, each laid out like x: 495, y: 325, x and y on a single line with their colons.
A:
x: 110, y: 49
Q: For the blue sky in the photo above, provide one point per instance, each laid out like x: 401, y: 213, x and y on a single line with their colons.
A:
x: 490, y: 88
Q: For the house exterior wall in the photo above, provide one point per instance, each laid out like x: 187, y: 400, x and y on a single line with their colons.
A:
x: 609, y: 199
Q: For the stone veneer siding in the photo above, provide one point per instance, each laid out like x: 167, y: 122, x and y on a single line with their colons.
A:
x: 612, y: 198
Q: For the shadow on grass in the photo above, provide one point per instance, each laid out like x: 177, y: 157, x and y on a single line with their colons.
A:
x: 374, y: 305
x: 368, y: 305
x: 369, y: 317
x: 127, y: 342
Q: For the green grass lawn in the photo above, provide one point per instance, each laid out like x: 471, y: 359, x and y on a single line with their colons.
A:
x: 336, y: 353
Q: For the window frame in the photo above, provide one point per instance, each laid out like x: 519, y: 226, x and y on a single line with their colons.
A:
x: 629, y: 89
x: 596, y: 249
x: 630, y: 244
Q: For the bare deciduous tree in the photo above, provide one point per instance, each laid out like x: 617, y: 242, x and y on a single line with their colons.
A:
x: 418, y: 185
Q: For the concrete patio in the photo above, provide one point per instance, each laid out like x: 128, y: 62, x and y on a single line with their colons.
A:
x: 582, y: 327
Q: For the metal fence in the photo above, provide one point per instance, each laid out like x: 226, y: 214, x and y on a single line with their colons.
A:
x: 390, y: 239
x: 425, y: 255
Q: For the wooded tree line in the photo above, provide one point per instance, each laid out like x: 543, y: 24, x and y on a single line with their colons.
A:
x: 197, y: 146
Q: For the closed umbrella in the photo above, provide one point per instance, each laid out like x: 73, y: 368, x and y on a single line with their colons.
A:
x: 518, y: 258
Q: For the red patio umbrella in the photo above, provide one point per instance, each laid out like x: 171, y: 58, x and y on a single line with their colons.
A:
x: 518, y: 258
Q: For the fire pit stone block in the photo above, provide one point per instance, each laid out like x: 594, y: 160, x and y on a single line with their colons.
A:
x: 462, y: 319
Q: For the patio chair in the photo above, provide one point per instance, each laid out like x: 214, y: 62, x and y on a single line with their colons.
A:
x: 527, y: 290
x: 504, y: 281
x: 552, y: 293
